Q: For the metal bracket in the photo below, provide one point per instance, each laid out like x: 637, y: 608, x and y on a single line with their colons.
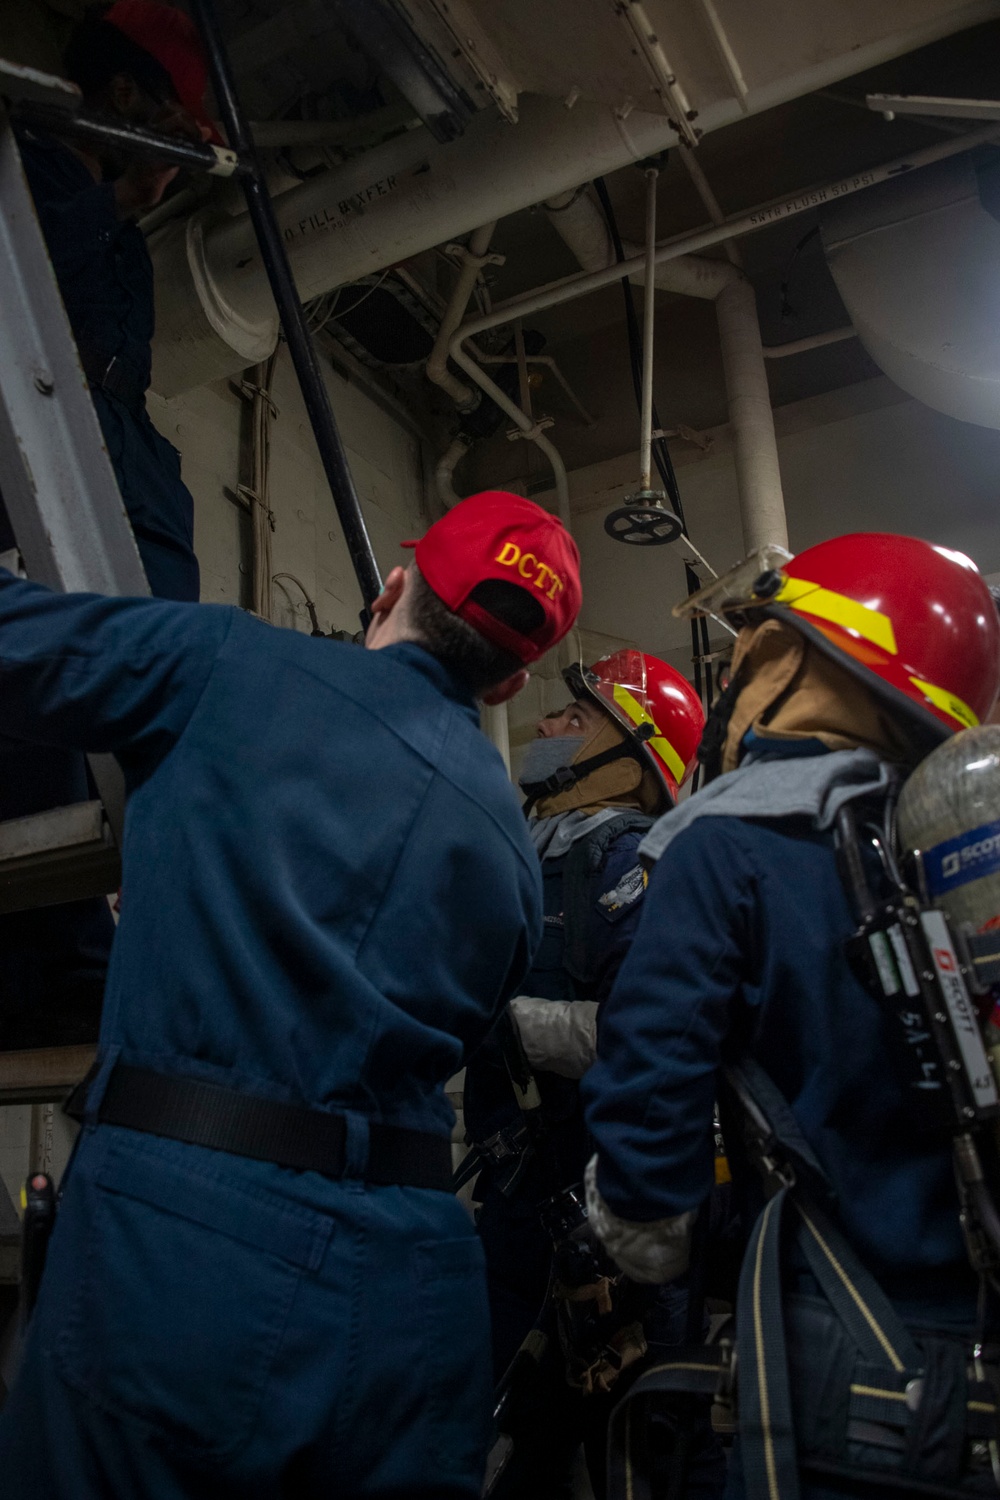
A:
x: 463, y: 254
x: 532, y: 433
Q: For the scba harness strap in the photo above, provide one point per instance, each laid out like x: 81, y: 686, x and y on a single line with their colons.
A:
x: 567, y: 776
x: 835, y: 1384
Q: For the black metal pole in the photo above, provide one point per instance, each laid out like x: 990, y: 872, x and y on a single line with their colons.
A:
x: 279, y: 274
x: 101, y: 130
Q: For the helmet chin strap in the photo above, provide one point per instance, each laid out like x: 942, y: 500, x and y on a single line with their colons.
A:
x: 567, y: 776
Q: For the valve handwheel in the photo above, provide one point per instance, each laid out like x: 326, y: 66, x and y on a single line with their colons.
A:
x: 644, y: 521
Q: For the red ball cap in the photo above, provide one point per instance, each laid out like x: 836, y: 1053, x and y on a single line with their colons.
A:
x: 508, y: 568
x: 172, y: 38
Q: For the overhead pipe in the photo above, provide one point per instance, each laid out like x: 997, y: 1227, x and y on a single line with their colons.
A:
x: 755, y: 448
x: 648, y: 326
x: 552, y: 366
x: 403, y: 197
x: 445, y: 469
x: 777, y: 210
x: 814, y: 341
x: 751, y: 420
x: 569, y: 288
x: 703, y: 188
x: 472, y: 258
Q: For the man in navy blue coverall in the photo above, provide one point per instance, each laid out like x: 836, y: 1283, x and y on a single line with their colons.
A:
x: 596, y: 776
x: 873, y: 649
x: 331, y: 895
x: 53, y: 960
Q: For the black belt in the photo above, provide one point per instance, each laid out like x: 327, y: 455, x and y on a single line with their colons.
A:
x: 309, y: 1140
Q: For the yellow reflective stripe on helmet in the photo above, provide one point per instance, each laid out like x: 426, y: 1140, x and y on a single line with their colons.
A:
x: 947, y: 702
x: 634, y: 710
x: 809, y: 599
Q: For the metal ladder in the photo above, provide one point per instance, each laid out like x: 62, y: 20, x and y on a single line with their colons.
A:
x: 55, y: 475
x: 65, y: 508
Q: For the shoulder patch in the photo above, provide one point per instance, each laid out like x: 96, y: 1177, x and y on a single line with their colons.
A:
x: 631, y: 888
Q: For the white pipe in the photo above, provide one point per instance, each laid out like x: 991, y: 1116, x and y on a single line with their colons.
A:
x: 555, y: 293
x: 742, y: 368
x: 751, y: 421
x: 814, y: 341
x: 445, y: 468
x: 712, y: 205
x: 495, y: 725
x: 473, y: 258
x: 532, y: 431
x: 550, y: 364
x: 580, y: 223
x: 214, y: 309
x: 755, y: 447
x: 648, y: 326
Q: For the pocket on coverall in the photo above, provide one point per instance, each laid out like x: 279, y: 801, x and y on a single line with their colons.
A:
x: 185, y: 1292
x: 454, y: 1323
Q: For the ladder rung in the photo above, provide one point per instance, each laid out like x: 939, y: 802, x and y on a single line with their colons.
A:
x: 61, y: 855
x: 41, y: 1075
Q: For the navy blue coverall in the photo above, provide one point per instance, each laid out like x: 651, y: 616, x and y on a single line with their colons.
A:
x: 330, y: 895
x: 553, y: 1419
x: 757, y: 917
x: 53, y: 961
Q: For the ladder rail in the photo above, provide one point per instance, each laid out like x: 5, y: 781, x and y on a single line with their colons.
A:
x: 58, y: 485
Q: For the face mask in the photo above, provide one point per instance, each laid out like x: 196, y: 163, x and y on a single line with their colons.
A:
x: 544, y: 757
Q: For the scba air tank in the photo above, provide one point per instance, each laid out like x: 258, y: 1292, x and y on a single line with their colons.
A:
x: 949, y: 813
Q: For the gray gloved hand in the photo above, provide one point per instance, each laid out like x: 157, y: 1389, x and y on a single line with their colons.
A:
x: 656, y: 1251
x: 558, y: 1036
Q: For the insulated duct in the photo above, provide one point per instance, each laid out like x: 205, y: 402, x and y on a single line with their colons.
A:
x: 917, y: 263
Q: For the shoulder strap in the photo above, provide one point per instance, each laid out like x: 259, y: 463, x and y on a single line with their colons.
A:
x: 567, y: 776
x: 778, y: 1149
x: 583, y: 861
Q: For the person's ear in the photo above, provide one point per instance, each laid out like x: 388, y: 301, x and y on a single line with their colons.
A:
x: 382, y: 607
x: 125, y: 95
x: 506, y: 690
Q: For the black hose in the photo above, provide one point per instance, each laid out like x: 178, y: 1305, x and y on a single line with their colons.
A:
x: 293, y: 322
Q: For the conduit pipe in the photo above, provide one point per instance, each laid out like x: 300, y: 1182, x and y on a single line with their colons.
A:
x: 648, y: 327
x: 755, y: 448
x: 472, y: 258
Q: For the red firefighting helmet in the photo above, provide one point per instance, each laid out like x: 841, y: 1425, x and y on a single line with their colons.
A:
x: 913, y: 622
x: 656, y: 706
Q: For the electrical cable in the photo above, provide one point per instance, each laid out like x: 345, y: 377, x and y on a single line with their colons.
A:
x: 341, y: 311
x: 787, y: 310
x: 310, y: 606
x: 704, y: 687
